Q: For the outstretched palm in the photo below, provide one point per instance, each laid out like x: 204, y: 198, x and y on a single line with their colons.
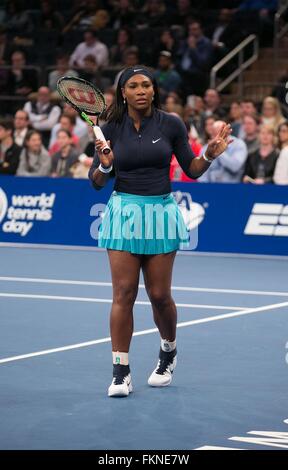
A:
x: 220, y: 142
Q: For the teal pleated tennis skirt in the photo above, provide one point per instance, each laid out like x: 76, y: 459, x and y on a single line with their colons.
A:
x: 142, y: 224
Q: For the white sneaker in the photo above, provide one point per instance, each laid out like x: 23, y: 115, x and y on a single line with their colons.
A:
x: 162, y: 375
x: 120, y: 388
x: 121, y: 384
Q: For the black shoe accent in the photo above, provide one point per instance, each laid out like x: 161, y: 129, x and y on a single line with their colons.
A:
x: 119, y: 373
x: 165, y: 358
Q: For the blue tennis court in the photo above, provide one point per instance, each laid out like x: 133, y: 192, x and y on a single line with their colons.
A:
x: 55, y: 360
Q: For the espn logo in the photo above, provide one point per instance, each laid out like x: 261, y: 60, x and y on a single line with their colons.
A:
x: 268, y: 219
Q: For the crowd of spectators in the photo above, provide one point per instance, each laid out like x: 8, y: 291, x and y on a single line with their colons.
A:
x: 46, y: 139
x: 180, y: 40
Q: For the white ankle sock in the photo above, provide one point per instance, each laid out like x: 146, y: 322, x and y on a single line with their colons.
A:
x: 168, y: 346
x: 120, y: 358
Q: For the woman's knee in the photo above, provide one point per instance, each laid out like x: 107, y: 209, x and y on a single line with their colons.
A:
x: 160, y: 298
x: 125, y: 294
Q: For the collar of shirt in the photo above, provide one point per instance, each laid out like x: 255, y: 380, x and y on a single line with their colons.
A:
x: 128, y: 119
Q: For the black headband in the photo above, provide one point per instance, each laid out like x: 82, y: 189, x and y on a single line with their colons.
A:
x: 128, y: 73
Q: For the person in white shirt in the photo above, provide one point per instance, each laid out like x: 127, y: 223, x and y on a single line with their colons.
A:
x: 43, y: 114
x: 21, y: 123
x: 281, y: 170
x: 229, y: 167
x: 90, y: 46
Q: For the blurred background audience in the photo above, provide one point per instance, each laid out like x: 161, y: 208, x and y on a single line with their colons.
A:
x: 181, y: 41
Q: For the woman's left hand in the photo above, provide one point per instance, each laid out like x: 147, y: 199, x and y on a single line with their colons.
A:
x: 217, y: 145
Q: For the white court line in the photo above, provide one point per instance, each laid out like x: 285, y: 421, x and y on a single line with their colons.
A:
x: 145, y: 332
x: 220, y: 254
x: 109, y: 284
x: 109, y: 301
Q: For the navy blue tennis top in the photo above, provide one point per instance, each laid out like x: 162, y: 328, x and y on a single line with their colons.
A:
x: 142, y: 158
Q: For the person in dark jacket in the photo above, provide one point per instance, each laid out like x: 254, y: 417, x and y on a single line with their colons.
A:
x: 63, y: 160
x: 261, y: 164
x: 9, y: 151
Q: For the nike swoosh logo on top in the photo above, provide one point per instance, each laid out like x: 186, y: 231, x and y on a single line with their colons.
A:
x: 154, y: 141
x: 137, y: 70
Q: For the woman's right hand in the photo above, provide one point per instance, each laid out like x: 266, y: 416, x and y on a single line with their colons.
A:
x: 106, y: 160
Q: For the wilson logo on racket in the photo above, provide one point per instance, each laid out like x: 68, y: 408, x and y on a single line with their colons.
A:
x: 82, y: 96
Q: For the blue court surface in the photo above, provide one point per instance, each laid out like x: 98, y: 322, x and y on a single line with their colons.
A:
x: 231, y: 380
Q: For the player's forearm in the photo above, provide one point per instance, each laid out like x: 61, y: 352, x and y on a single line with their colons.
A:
x: 198, y: 166
x: 98, y: 178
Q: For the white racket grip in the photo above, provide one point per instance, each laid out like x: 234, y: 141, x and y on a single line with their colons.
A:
x: 99, y: 135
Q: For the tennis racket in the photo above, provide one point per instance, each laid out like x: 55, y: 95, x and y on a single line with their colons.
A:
x: 86, y: 99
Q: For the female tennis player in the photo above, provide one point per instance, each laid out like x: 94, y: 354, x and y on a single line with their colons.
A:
x: 143, y: 139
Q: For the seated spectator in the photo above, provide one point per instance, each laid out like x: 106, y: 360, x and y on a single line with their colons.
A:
x: 208, y: 128
x: 20, y: 81
x: 167, y: 42
x: 167, y: 77
x: 123, y: 14
x: 34, y: 158
x: 131, y: 58
x: 17, y: 19
x: 43, y: 114
x: 83, y: 16
x: 260, y: 165
x: 193, y: 112
x: 212, y: 102
x: 235, y: 117
x: 21, y: 127
x: 63, y: 160
x: 194, y: 62
x: 9, y: 151
x: 124, y: 41
x: 62, y: 68
x: 182, y: 12
x: 281, y: 170
x: 225, y: 34
x: 153, y: 14
x: 90, y: 46
x: 50, y: 18
x: 90, y: 72
x: 100, y: 20
x: 5, y: 47
x: 251, y: 133
x: 80, y: 129
x: 229, y: 166
x: 248, y: 108
x: 212, y: 106
x: 67, y: 123
x: 173, y: 104
x: 271, y: 113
